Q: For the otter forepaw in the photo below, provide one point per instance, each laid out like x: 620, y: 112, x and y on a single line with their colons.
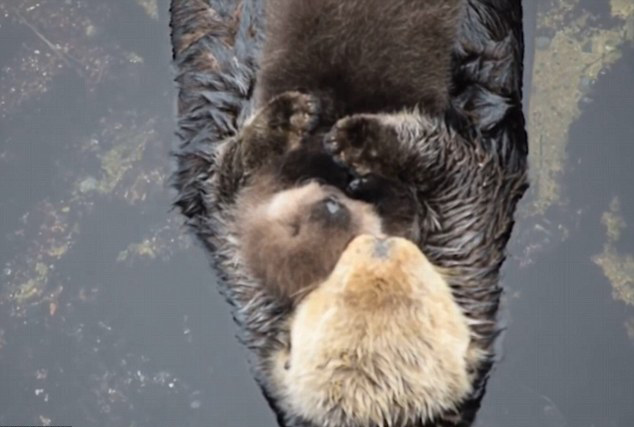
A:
x: 363, y: 143
x: 279, y: 126
x: 294, y: 112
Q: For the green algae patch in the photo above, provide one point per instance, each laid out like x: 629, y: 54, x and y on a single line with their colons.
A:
x: 617, y: 267
x: 572, y: 50
x: 150, y: 7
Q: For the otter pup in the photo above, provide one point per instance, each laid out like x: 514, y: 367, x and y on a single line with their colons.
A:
x: 292, y: 219
x: 351, y: 57
x: 464, y: 177
x: 292, y: 238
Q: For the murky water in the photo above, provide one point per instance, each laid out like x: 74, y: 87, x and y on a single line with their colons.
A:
x: 109, y: 314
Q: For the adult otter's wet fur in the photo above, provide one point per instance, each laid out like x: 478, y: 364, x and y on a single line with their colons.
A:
x: 471, y: 172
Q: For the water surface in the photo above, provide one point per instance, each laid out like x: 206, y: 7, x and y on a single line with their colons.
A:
x: 109, y: 314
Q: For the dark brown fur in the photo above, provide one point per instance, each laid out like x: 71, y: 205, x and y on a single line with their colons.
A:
x: 367, y: 55
x: 361, y: 56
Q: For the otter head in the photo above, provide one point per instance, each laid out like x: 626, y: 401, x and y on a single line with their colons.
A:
x: 290, y: 240
x: 380, y: 342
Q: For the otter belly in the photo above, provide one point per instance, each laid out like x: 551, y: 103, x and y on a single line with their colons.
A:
x: 381, y: 342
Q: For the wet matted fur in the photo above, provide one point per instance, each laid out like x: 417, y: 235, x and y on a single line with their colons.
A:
x: 476, y: 165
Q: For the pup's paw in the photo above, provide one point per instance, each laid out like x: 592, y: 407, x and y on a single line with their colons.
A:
x: 293, y: 113
x: 279, y: 126
x: 363, y: 143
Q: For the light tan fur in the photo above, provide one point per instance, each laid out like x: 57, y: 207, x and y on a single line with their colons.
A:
x: 381, y: 340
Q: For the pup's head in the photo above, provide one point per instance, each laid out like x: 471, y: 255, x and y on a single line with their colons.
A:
x: 291, y: 239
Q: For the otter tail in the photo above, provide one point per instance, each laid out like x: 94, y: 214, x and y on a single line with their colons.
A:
x: 215, y: 46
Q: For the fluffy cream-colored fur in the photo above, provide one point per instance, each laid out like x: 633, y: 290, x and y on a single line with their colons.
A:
x: 380, y: 342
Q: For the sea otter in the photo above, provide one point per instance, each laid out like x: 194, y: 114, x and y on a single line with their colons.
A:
x: 467, y: 171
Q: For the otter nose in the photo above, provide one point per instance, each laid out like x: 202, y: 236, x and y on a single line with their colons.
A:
x: 331, y: 211
x: 382, y: 248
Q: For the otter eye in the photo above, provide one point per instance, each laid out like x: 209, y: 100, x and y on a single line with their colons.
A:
x: 332, y: 205
x: 330, y: 212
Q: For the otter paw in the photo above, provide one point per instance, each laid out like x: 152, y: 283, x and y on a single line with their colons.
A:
x: 365, y: 188
x: 363, y: 143
x: 279, y: 126
x: 294, y: 113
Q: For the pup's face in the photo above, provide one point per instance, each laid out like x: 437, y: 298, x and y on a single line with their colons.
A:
x: 292, y: 239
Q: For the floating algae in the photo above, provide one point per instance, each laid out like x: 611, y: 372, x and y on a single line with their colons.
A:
x: 120, y: 150
x: 617, y: 267
x: 572, y: 51
x: 150, y: 7
x: 162, y: 242
x: 61, y: 42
